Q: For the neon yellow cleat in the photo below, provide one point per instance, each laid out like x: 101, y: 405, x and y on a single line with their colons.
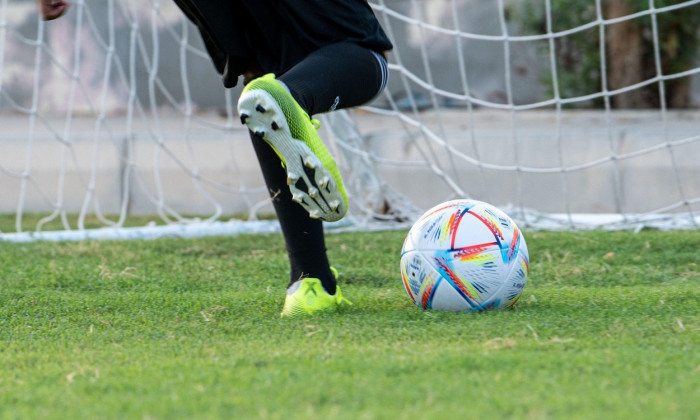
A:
x: 307, y: 296
x: 270, y: 111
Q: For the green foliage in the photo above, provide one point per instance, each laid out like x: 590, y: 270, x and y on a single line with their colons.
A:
x: 578, y: 54
x: 608, y: 327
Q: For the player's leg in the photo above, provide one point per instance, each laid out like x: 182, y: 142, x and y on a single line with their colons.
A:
x: 336, y: 76
x: 304, y: 236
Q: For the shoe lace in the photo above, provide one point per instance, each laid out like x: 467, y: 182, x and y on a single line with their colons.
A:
x: 342, y: 299
x: 339, y: 298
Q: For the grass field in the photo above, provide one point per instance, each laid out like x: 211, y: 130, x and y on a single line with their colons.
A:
x: 608, y: 327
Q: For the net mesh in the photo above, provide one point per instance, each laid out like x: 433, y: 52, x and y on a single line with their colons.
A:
x: 113, y: 116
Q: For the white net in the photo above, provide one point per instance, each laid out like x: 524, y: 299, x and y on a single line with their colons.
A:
x: 567, y: 114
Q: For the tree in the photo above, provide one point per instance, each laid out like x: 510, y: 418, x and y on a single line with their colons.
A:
x: 629, y: 46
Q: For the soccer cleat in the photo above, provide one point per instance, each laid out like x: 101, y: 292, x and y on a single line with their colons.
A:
x: 270, y: 111
x: 307, y: 296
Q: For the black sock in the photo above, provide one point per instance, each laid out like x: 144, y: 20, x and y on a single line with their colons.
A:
x: 303, y: 236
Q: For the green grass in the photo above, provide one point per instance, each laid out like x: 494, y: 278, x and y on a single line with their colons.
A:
x: 608, y: 327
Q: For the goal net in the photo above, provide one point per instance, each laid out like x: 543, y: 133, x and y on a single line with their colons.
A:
x: 566, y: 114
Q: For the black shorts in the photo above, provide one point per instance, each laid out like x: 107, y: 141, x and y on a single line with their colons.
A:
x: 274, y: 35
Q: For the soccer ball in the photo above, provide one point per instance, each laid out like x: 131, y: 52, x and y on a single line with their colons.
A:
x: 464, y: 255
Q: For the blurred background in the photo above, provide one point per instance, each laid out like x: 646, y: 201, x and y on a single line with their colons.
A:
x: 116, y: 108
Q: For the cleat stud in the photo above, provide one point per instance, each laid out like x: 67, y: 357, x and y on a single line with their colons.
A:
x: 244, y: 117
x: 260, y: 109
x: 314, y: 214
x: 334, y: 205
x: 313, y: 192
x: 324, y: 182
x: 309, y: 164
x: 275, y: 126
x: 292, y: 178
x: 297, y: 198
x: 260, y: 133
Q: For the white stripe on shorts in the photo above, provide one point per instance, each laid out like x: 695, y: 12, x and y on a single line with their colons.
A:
x: 385, y: 71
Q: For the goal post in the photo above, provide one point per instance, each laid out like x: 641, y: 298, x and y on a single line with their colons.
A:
x: 566, y: 114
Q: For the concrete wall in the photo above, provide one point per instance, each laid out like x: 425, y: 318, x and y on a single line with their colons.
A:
x: 190, y: 168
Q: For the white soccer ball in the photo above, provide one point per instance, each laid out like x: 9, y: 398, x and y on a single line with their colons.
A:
x: 464, y: 255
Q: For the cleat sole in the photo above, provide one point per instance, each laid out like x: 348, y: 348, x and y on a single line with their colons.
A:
x: 309, y: 181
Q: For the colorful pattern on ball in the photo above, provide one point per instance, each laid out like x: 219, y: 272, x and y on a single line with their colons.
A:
x: 464, y: 255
